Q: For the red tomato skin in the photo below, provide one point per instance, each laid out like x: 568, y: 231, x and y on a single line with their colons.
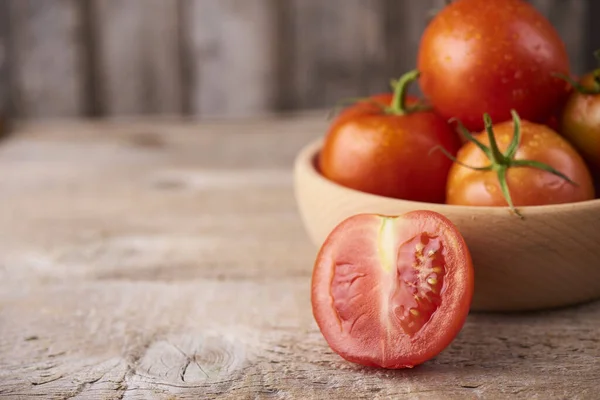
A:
x: 389, y: 155
x: 371, y: 335
x: 553, y: 123
x: 479, y: 56
x: 580, y: 122
x: 528, y: 186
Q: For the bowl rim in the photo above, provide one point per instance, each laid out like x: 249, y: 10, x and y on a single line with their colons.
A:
x: 305, y: 162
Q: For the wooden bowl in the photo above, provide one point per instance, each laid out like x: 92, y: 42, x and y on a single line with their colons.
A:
x: 549, y: 259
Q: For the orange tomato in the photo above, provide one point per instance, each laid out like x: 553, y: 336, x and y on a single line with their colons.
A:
x: 518, y: 164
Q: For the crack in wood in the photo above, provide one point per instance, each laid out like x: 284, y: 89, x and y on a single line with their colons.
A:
x: 470, y: 386
x: 268, y: 343
x: 84, y: 385
x: 188, y: 361
x: 131, y: 370
x: 184, y: 369
x: 122, y: 384
x: 40, y: 383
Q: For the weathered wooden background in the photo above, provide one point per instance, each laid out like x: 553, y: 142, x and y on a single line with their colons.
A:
x: 66, y: 58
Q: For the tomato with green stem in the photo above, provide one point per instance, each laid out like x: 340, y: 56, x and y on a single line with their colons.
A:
x: 381, y: 145
x: 491, y: 56
x: 517, y: 164
x: 580, y: 119
x: 392, y: 291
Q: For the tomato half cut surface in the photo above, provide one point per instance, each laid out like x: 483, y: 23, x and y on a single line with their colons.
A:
x: 392, y: 291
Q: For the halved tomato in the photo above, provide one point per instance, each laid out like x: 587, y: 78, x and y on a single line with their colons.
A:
x: 392, y: 291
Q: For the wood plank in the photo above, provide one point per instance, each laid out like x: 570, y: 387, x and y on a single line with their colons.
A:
x: 138, y: 60
x: 200, y: 339
x: 6, y: 110
x: 592, y: 36
x: 230, y: 47
x: 166, y: 263
x: 404, y: 26
x: 353, y: 48
x: 46, y: 58
x: 568, y: 17
x: 338, y: 51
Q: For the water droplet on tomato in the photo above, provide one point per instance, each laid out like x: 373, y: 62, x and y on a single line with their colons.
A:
x: 491, y: 188
x: 518, y: 94
x: 503, y: 139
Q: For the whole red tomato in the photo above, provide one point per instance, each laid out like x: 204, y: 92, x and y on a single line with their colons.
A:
x: 382, y: 146
x: 392, y: 291
x: 491, y: 56
x: 518, y: 164
x: 580, y: 119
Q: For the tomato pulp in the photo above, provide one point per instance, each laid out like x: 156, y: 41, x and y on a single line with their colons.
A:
x: 392, y: 291
x: 491, y: 56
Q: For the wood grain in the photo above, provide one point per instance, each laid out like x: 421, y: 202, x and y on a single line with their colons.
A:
x: 138, y: 59
x: 339, y: 51
x: 592, y: 36
x: 404, y: 25
x: 230, y: 51
x: 155, y: 260
x: 46, y: 58
x: 209, y: 58
x: 569, y: 19
x: 6, y: 107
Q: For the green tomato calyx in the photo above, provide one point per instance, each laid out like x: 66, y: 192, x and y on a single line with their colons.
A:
x: 589, y: 89
x: 500, y: 162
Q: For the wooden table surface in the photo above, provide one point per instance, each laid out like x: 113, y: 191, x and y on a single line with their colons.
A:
x: 166, y: 259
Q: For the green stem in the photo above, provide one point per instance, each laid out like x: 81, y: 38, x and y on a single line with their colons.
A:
x: 497, y: 156
x: 398, y: 106
x: 505, y: 190
x: 543, y: 167
x: 516, y: 140
x: 454, y: 159
x: 595, y: 89
x: 501, y: 163
x: 469, y: 136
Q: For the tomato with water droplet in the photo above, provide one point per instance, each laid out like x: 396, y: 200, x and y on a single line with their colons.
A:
x: 518, y: 163
x: 392, y: 291
x: 491, y: 56
x: 382, y: 145
x: 580, y: 120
